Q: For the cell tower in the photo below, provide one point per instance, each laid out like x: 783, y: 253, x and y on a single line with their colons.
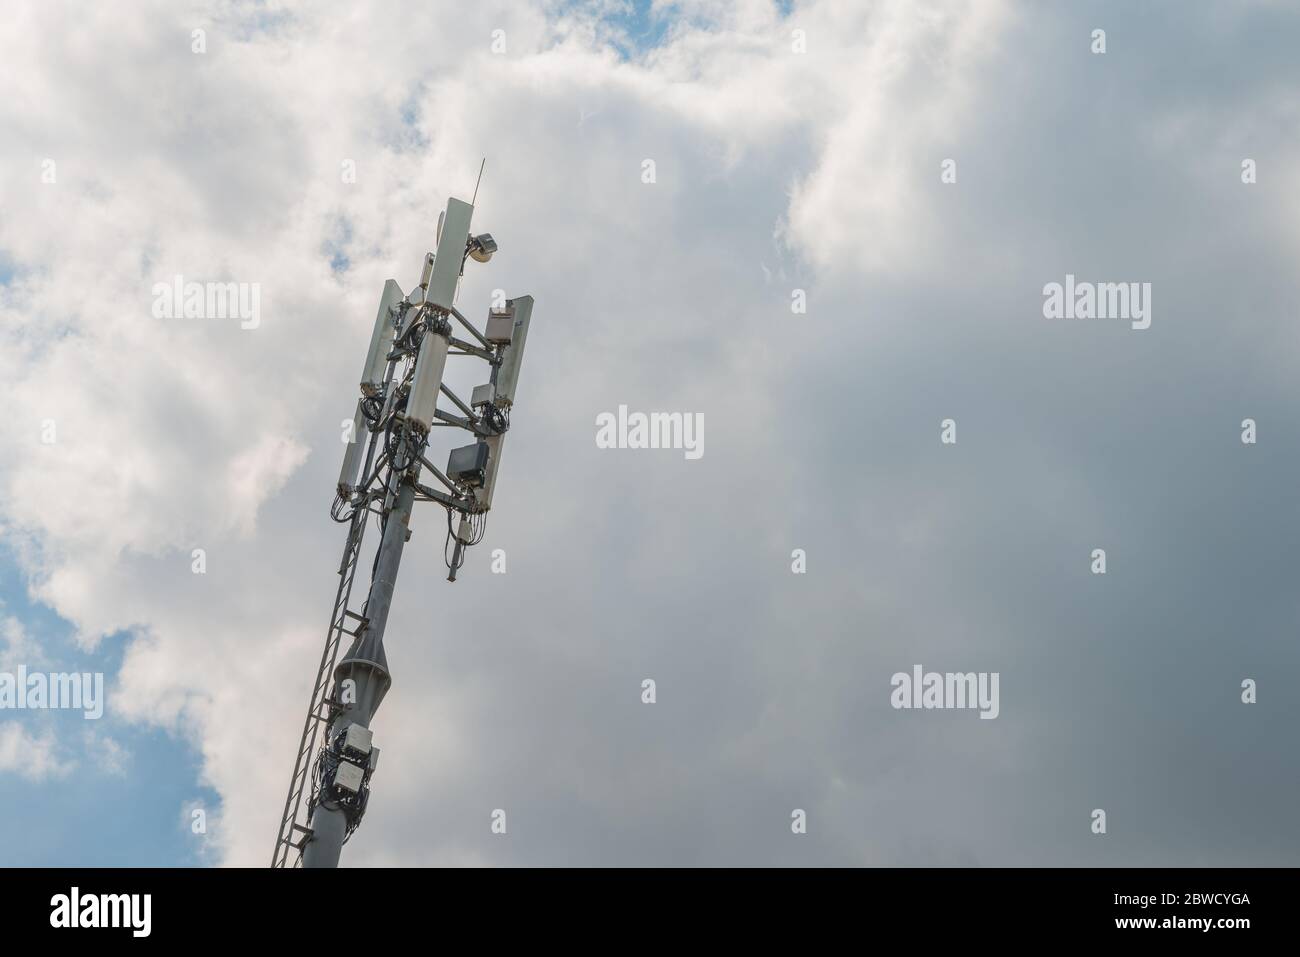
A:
x: 381, y: 470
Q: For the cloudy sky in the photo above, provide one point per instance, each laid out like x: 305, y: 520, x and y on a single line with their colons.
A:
x: 795, y: 147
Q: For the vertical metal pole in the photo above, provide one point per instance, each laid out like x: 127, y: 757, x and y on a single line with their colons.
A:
x: 365, y: 664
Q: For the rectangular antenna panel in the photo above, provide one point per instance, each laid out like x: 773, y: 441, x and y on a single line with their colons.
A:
x: 381, y: 340
x: 483, y: 495
x: 512, y: 356
x: 451, y: 253
x: 352, y: 454
x: 429, y: 367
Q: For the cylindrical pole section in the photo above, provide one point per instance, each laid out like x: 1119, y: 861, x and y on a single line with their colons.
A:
x: 366, y: 666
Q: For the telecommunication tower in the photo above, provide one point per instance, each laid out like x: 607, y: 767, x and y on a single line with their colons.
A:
x: 382, y: 464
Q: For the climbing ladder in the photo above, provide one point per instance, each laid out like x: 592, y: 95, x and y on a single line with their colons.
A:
x: 293, y: 831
